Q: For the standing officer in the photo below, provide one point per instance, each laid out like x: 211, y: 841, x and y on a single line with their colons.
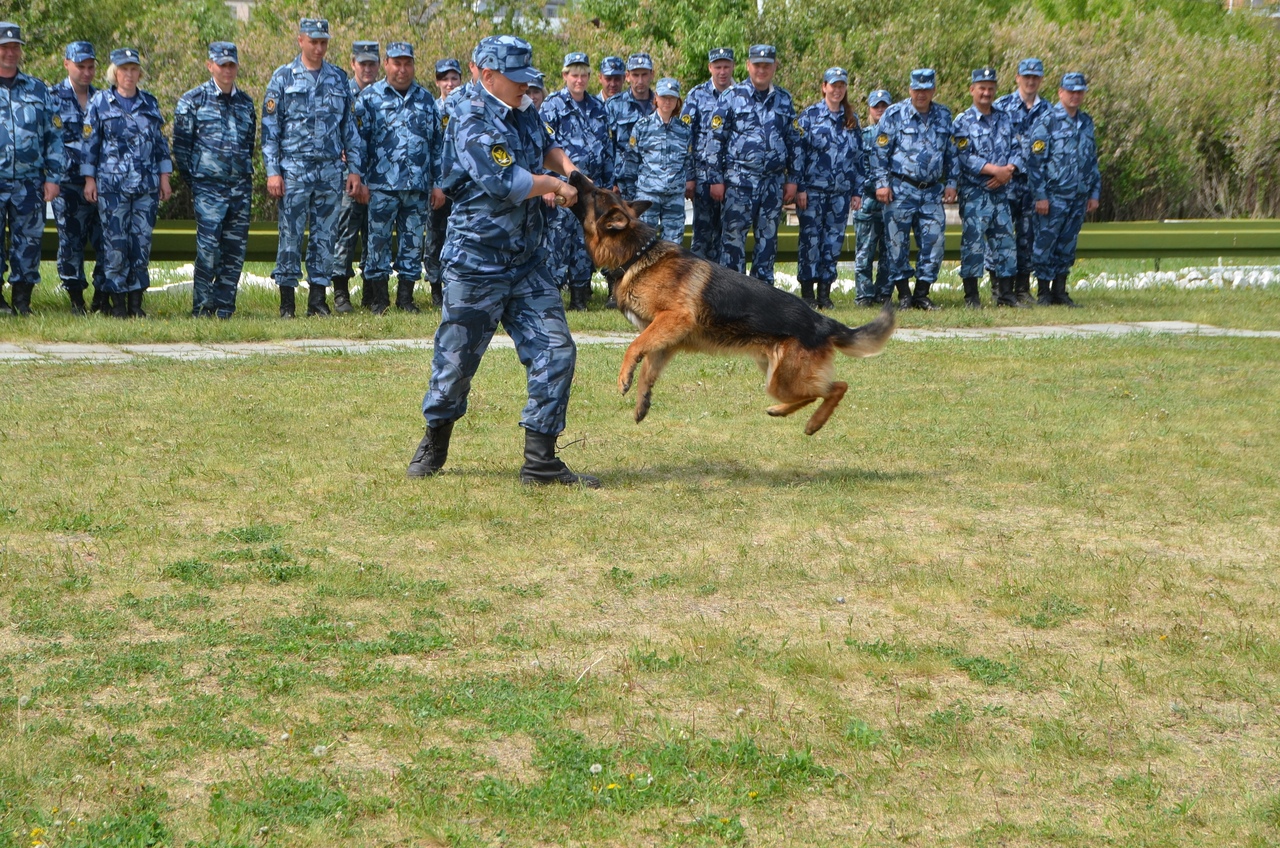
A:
x: 581, y: 128
x: 988, y: 155
x: 914, y: 159
x: 307, y: 130
x: 1066, y: 185
x: 448, y: 78
x: 755, y: 154
x: 612, y: 77
x: 496, y: 153
x: 31, y: 165
x: 400, y: 127
x: 1024, y: 106
x: 868, y: 221
x: 624, y: 112
x: 662, y: 155
x: 214, y: 126
x: 700, y: 108
x: 353, y: 213
x: 77, y: 219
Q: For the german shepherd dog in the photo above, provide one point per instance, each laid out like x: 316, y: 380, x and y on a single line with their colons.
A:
x: 680, y: 301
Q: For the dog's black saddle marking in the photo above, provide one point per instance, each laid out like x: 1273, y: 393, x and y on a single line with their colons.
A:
x: 613, y: 275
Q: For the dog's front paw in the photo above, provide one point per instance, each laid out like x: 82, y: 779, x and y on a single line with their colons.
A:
x: 624, y: 383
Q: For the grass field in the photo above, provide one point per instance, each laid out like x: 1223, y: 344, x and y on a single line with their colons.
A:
x: 1015, y: 593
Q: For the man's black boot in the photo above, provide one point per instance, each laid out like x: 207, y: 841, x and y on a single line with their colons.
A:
x: 920, y: 300
x: 432, y: 451
x: 76, y: 297
x: 22, y: 298
x: 542, y: 466
x: 578, y: 297
x: 1006, y: 295
x: 971, y: 297
x: 610, y: 301
x: 1022, y: 288
x: 437, y: 295
x: 806, y: 293
x: 119, y: 305
x: 904, y: 293
x: 101, y: 302
x: 1042, y: 292
x: 379, y: 296
x: 135, y: 304
x: 1057, y: 295
x: 5, y: 308
x: 287, y: 309
x: 342, y: 296
x: 404, y: 296
x: 315, y: 301
x: 824, y: 296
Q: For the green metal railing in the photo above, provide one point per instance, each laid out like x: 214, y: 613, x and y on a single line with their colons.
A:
x: 176, y: 240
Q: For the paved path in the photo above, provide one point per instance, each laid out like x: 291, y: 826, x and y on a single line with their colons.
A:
x: 15, y: 352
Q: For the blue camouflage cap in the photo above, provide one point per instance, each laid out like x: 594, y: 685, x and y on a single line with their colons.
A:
x: 1031, y: 68
x: 762, y: 53
x: 364, y: 51
x: 879, y: 96
x: 834, y: 75
x: 1074, y: 81
x: 223, y: 53
x: 982, y: 75
x: 125, y: 56
x: 399, y: 49
x: 313, y: 27
x: 10, y: 33
x: 667, y: 87
x: 444, y: 66
x: 539, y: 82
x: 720, y: 53
x: 923, y: 78
x: 575, y: 58
x: 510, y: 56
x: 612, y: 66
x: 639, y: 62
x: 79, y: 51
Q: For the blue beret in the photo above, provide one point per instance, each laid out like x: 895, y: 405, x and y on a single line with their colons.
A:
x: 1074, y: 82
x: 510, y: 56
x: 982, y: 75
x: 923, y: 78
x: 79, y: 51
x: 398, y: 49
x: 1031, y: 68
x: 444, y: 66
x: 10, y: 33
x: 639, y: 62
x: 223, y: 53
x: 879, y: 96
x: 833, y: 75
x: 612, y: 66
x: 720, y: 53
x: 762, y: 53
x: 125, y: 56
x: 314, y: 27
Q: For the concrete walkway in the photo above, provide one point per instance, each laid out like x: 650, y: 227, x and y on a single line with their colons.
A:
x: 15, y: 352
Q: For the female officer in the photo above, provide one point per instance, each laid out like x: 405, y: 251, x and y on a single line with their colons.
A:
x: 126, y: 167
x: 830, y: 179
x: 661, y: 152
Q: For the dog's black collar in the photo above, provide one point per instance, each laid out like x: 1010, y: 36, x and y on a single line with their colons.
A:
x: 613, y: 275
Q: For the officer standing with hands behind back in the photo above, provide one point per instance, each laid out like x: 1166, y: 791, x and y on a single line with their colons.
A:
x: 77, y: 219
x: 353, y: 213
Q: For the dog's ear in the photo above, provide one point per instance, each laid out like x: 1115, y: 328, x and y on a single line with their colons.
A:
x: 639, y: 207
x: 615, y: 219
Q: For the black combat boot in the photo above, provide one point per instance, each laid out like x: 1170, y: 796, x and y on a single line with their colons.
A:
x: 920, y: 300
x: 287, y: 309
x: 1004, y: 293
x: 904, y: 293
x: 22, y: 298
x: 806, y: 293
x: 1057, y: 294
x: 1022, y: 288
x: 824, y: 296
x: 342, y: 295
x: 404, y: 296
x: 432, y: 451
x: 379, y: 296
x: 578, y: 297
x: 1042, y: 292
x: 5, y: 308
x: 437, y: 294
x: 77, y: 302
x: 971, y: 297
x: 610, y: 301
x: 135, y: 304
x: 119, y: 305
x: 315, y: 302
x: 542, y: 466
x: 101, y: 302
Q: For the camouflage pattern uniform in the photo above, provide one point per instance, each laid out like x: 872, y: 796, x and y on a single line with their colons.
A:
x: 30, y: 155
x: 913, y: 155
x: 126, y: 151
x: 213, y: 138
x: 438, y: 219
x: 77, y: 219
x: 700, y: 106
x: 868, y: 226
x: 351, y: 238
x: 1063, y: 170
x: 582, y: 130
x: 307, y: 128
x: 494, y: 262
x: 402, y: 141
x: 662, y: 158
x: 1022, y: 205
x: 831, y: 172
x: 624, y: 112
x: 755, y: 150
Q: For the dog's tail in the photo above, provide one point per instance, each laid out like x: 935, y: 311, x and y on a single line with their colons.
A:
x: 869, y: 339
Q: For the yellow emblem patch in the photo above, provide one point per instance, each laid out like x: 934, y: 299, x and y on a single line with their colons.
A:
x: 632, y: 141
x: 444, y: 122
x: 549, y: 130
x: 501, y: 156
x: 686, y: 119
x: 1037, y: 146
x: 962, y: 143
x: 795, y: 122
x: 57, y: 122
x: 88, y: 130
x: 271, y: 106
x: 717, y: 122
x: 882, y: 140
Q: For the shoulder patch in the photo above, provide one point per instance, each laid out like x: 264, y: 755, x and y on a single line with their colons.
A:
x: 270, y: 106
x: 501, y: 156
x: 717, y: 122
x: 57, y: 122
x: 444, y: 122
x: 632, y: 141
x: 686, y: 119
x: 795, y: 122
x: 962, y: 142
x: 882, y: 140
x: 549, y: 130
x: 1037, y: 146
x: 88, y: 130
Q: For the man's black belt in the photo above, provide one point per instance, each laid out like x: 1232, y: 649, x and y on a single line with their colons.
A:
x: 917, y: 183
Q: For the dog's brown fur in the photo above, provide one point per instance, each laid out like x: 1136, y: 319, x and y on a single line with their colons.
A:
x: 682, y: 302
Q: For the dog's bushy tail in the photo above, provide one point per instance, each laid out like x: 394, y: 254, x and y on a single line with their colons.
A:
x: 869, y: 339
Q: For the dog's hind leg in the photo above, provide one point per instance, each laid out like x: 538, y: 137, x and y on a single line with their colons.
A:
x: 829, y: 403
x: 649, y: 371
x: 783, y: 409
x: 666, y: 331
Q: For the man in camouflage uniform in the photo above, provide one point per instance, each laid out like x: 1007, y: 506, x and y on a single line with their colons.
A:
x: 1024, y: 105
x: 497, y: 151
x: 700, y: 108
x: 624, y: 111
x: 868, y: 221
x: 613, y: 75
x: 352, y: 234
x: 31, y: 164
x: 987, y: 156
x: 400, y: 127
x: 1066, y: 185
x: 214, y: 127
x: 581, y: 128
x: 77, y: 219
x: 448, y: 79
x: 915, y: 172
x: 755, y: 155
x: 307, y: 130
